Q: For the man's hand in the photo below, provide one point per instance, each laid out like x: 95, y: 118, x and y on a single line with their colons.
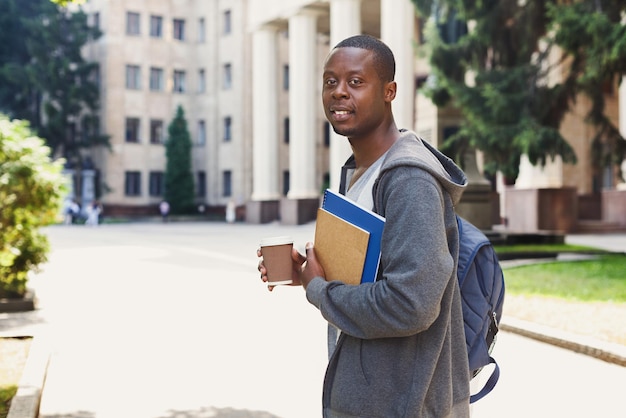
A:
x: 298, y: 260
x: 312, y: 268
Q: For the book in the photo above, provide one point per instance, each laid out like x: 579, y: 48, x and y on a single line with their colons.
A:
x: 361, y: 217
x: 340, y: 247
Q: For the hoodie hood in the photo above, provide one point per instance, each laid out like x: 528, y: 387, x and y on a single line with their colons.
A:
x: 410, y: 150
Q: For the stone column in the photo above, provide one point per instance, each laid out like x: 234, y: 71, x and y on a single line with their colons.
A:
x: 265, y: 182
x: 303, y: 197
x: 69, y: 174
x: 397, y: 28
x: 88, y: 187
x: 476, y: 204
x: 345, y: 21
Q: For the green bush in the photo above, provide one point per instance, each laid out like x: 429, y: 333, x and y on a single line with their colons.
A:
x: 31, y: 191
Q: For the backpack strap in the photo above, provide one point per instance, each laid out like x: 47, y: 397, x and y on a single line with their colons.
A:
x: 491, y: 382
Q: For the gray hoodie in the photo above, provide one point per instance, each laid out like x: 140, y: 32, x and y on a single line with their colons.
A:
x: 402, y: 349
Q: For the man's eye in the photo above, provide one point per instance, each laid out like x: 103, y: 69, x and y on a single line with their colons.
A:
x: 330, y: 82
x: 354, y: 82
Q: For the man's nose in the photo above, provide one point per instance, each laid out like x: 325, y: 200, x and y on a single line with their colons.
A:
x: 341, y: 90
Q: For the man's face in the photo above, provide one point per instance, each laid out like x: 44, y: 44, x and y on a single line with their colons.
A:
x: 353, y: 94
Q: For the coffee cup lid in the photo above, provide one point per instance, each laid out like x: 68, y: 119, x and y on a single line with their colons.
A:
x: 266, y: 242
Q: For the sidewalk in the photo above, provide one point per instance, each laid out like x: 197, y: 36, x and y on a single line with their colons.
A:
x: 171, y: 321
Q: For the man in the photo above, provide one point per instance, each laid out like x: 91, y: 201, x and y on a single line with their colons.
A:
x: 401, y: 348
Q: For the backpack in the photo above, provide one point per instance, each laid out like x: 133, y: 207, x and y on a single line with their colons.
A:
x: 482, y: 293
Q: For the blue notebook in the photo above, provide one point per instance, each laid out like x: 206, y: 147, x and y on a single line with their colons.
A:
x: 364, y: 218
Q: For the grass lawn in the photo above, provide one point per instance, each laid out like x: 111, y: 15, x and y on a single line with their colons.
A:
x: 597, y: 280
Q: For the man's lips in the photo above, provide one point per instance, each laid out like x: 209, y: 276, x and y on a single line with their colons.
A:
x: 340, y: 114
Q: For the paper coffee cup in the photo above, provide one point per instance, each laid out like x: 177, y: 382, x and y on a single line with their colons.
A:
x: 276, y: 252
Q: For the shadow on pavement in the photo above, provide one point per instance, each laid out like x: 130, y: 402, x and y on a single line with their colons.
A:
x: 212, y: 412
x: 77, y: 414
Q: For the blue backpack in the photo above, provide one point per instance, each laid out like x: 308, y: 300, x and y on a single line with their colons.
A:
x: 482, y: 293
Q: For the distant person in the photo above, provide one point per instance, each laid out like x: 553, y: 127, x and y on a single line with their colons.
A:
x: 164, y: 208
x: 230, y: 211
x: 72, y: 211
x: 93, y: 213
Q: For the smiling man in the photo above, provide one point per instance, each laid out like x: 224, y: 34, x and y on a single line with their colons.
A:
x: 400, y: 350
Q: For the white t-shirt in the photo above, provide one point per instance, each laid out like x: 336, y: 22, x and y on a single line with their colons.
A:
x: 361, y: 191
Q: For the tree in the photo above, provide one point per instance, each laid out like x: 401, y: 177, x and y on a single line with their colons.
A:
x: 17, y: 93
x: 593, y: 36
x: 509, y: 108
x: 179, y: 186
x: 31, y: 190
x: 44, y: 78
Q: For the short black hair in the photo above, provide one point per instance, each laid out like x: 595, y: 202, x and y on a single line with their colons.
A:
x: 383, y: 57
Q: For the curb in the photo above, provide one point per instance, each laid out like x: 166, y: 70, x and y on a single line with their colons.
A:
x: 25, y: 403
x: 27, y: 303
x: 602, y: 350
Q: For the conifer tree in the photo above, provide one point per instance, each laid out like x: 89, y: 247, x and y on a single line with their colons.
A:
x: 179, y: 186
x: 509, y: 107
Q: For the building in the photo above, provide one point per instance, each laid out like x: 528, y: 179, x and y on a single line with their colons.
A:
x: 247, y: 73
x: 155, y: 56
x: 313, y: 28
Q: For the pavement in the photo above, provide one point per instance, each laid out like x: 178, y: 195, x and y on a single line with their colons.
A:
x: 153, y: 320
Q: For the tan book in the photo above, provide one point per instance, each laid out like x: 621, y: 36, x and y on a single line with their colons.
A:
x: 340, y: 247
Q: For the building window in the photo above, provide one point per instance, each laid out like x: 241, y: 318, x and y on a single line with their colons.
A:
x: 201, y: 184
x: 90, y: 127
x: 326, y: 134
x: 285, y: 182
x: 179, y: 81
x: 421, y: 24
x: 132, y: 24
x: 227, y: 22
x: 285, y: 77
x: 156, y: 79
x: 132, y: 130
x: 448, y: 131
x: 95, y: 77
x: 179, y: 29
x: 71, y: 132
x: 132, y: 183
x: 201, y: 81
x: 286, y: 130
x: 156, y: 131
x: 228, y: 123
x: 201, y: 132
x: 228, y: 76
x: 133, y: 77
x: 156, y: 26
x: 85, y: 130
x: 157, y: 183
x: 96, y: 20
x: 227, y: 183
x: 201, y: 30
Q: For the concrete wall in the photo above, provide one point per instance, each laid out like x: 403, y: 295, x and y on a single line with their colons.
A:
x: 550, y: 209
x: 614, y: 206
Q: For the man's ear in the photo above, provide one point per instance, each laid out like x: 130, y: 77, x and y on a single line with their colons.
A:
x: 390, y: 91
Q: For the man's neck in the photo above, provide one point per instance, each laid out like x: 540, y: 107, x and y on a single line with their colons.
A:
x: 369, y: 149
